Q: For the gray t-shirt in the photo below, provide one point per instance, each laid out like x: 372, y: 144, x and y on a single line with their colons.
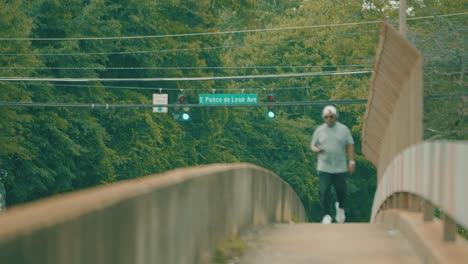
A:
x: 333, y: 140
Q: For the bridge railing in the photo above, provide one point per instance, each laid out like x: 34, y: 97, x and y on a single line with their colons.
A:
x: 412, y: 175
x: 425, y: 176
x: 422, y: 178
x: 175, y: 217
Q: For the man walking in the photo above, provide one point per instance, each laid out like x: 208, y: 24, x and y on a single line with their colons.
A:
x: 333, y: 142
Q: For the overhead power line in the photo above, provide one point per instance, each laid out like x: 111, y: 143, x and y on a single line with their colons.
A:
x: 190, y: 68
x: 266, y: 76
x: 295, y: 103
x: 221, y: 32
x: 108, y: 106
x: 155, y: 51
x: 192, y: 34
x: 217, y: 89
x: 436, y: 16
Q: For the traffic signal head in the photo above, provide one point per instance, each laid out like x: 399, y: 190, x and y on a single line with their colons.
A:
x: 271, y: 112
x: 183, y: 111
x: 181, y: 98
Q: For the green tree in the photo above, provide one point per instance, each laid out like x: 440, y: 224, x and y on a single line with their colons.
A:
x: 54, y: 150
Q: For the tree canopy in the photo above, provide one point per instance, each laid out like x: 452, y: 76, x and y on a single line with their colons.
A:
x: 65, y: 144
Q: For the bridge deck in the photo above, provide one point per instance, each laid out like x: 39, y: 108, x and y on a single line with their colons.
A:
x: 334, y: 243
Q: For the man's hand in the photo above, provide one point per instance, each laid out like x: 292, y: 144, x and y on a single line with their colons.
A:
x: 316, y: 149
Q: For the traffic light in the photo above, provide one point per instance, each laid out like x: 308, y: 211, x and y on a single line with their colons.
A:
x: 271, y: 112
x: 184, y: 111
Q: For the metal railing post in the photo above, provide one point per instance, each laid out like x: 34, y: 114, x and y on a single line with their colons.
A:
x: 450, y: 228
x: 428, y: 210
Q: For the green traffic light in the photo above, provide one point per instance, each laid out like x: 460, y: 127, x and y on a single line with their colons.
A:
x: 271, y: 114
x: 185, y: 116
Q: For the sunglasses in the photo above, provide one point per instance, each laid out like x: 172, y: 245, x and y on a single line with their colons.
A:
x: 329, y: 117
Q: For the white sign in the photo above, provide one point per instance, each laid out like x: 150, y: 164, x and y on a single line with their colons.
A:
x: 159, y: 99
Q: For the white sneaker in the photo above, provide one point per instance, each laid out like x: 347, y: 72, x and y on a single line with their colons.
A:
x: 327, y: 219
x: 340, y: 214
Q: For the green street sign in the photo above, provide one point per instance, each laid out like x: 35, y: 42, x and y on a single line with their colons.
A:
x: 206, y: 99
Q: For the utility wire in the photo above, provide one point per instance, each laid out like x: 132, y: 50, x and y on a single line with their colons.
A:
x: 189, y: 34
x: 189, y: 68
x: 287, y: 75
x: 437, y: 16
x: 222, y: 32
x: 188, y: 49
x: 295, y: 103
x: 108, y: 106
x: 271, y: 43
x: 238, y: 89
x: 217, y: 88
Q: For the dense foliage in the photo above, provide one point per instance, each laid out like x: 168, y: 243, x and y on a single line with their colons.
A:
x: 52, y: 149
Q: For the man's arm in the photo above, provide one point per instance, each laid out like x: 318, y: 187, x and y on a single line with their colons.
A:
x: 352, y: 163
x: 350, y: 150
x: 314, y: 143
x: 314, y: 146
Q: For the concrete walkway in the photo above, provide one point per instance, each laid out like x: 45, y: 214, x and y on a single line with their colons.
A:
x: 308, y: 243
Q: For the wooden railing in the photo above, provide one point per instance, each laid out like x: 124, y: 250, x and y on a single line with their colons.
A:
x: 393, y: 118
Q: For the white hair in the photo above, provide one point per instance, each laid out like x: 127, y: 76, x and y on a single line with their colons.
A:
x: 329, y: 109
